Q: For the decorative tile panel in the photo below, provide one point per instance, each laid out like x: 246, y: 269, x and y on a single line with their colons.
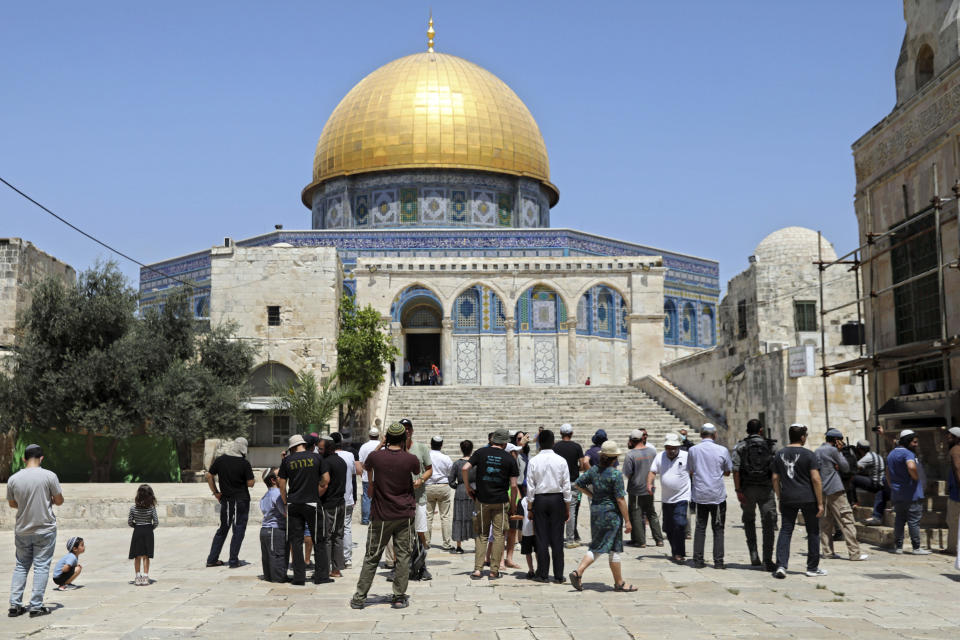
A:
x: 468, y: 360
x: 433, y: 205
x: 408, y: 206
x: 484, y: 208
x: 362, y: 210
x: 545, y: 360
x: 457, y: 207
x: 504, y: 210
x: 384, y: 207
x: 531, y: 213
x: 334, y: 212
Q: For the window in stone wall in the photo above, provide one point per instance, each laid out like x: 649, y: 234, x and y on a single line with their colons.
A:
x: 917, y: 303
x: 742, y: 319
x: 805, y: 315
x: 273, y: 316
x: 924, y: 70
x: 281, y: 429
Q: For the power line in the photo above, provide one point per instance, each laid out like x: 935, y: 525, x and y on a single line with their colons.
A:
x: 98, y: 241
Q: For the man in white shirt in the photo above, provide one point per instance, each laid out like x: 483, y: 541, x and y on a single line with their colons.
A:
x: 671, y: 465
x: 353, y: 467
x: 366, y: 449
x: 709, y: 463
x: 548, y: 499
x: 438, y: 493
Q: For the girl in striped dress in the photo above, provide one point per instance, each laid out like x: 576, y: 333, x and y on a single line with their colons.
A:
x: 143, y: 519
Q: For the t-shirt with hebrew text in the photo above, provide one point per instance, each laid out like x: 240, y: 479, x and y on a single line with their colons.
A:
x: 302, y: 471
x: 494, y: 467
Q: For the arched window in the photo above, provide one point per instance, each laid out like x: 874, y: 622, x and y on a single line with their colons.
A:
x: 623, y: 331
x: 670, y: 322
x: 688, y: 325
x: 924, y: 69
x: 540, y: 309
x: 267, y: 375
x: 585, y: 313
x: 423, y: 316
x: 606, y: 321
x: 466, y: 312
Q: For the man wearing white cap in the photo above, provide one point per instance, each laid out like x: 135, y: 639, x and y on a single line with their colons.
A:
x: 366, y: 449
x: 438, y: 493
x: 906, y: 476
x: 636, y: 467
x: 709, y: 463
x: 953, y: 484
x: 671, y: 465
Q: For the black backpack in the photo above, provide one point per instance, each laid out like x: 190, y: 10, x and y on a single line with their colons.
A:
x: 756, y: 461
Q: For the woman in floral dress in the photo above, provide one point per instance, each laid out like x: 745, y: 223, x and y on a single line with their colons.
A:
x: 603, y: 484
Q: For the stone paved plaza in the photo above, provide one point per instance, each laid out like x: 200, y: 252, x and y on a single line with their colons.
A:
x: 885, y: 597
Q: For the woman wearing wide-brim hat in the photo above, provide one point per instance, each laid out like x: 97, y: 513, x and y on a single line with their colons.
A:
x: 608, y: 516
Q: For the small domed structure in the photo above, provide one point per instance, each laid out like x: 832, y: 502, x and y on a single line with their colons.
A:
x: 791, y: 244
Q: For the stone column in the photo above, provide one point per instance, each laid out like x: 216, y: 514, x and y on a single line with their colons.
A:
x: 646, y: 344
x: 512, y: 374
x: 446, y: 352
x: 571, y: 352
x: 396, y: 336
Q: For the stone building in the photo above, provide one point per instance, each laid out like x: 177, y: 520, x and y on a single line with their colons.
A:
x: 770, y: 316
x: 21, y: 266
x: 431, y: 190
x: 909, y: 247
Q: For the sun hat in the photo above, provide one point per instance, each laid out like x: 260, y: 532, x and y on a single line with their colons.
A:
x: 295, y: 441
x: 609, y: 449
x: 599, y: 437
x: 672, y: 440
x: 636, y: 434
x: 500, y: 436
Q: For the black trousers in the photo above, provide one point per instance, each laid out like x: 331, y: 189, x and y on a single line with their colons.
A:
x: 549, y: 516
x: 233, y: 515
x: 299, y: 515
x: 757, y: 497
x: 330, y: 535
x: 718, y: 514
x: 273, y: 554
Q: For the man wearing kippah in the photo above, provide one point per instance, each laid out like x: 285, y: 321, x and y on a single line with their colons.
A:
x: 439, y: 494
x: 391, y: 471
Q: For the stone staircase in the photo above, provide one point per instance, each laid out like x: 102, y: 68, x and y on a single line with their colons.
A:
x: 471, y: 412
x: 933, y: 524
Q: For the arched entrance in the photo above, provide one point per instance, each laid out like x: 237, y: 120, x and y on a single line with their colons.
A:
x: 420, y: 314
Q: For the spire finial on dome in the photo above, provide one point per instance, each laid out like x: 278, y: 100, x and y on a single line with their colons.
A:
x: 430, y: 33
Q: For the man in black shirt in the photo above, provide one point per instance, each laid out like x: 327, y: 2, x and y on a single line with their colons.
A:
x: 236, y: 477
x: 796, y: 480
x: 303, y: 479
x: 497, y: 473
x: 572, y: 452
x: 330, y: 519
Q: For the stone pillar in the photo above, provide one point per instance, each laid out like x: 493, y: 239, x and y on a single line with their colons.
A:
x: 512, y: 374
x: 572, y: 352
x: 646, y: 343
x: 446, y: 352
x: 396, y: 336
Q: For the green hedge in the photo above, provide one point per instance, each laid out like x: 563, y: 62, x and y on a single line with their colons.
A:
x: 143, y: 458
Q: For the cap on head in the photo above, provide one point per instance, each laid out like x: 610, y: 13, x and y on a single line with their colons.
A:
x: 708, y: 427
x: 73, y: 542
x: 863, y: 444
x: 906, y: 433
x: 954, y: 431
x: 406, y: 423
x: 636, y: 434
x: 295, y: 441
x: 437, y: 439
x: 500, y: 436
x: 33, y: 451
x: 374, y: 432
x: 327, y: 438
x: 834, y: 433
x: 672, y: 440
x: 609, y: 449
x: 599, y: 437
x: 396, y: 429
x: 566, y: 429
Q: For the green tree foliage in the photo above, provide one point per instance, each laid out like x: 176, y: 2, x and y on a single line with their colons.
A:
x: 310, y: 404
x: 86, y: 363
x: 363, y: 350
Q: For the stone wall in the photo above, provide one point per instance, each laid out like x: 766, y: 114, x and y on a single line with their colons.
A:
x: 22, y: 265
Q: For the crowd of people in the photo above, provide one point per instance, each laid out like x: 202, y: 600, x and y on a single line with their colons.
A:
x: 500, y: 495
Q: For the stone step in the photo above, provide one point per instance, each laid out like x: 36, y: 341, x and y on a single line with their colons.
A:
x: 930, y: 537
x: 929, y: 518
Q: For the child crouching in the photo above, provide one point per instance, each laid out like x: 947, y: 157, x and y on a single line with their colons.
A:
x: 273, y: 539
x: 68, y: 568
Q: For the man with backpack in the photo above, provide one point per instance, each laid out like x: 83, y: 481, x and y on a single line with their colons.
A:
x: 753, y: 481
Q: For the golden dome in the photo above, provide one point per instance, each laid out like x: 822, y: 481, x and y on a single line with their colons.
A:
x: 431, y: 111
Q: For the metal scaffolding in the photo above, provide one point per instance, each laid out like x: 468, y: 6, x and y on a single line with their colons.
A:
x: 871, y: 360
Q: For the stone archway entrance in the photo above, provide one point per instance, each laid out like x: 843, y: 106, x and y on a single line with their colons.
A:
x: 420, y: 321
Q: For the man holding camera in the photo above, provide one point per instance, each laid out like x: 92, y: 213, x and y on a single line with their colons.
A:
x: 836, y: 507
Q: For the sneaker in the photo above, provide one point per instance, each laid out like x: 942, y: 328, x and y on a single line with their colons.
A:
x: 571, y: 544
x: 862, y: 556
x: 816, y: 573
x: 39, y: 611
x: 425, y: 575
x: 921, y: 552
x: 873, y: 522
x: 780, y: 573
x: 699, y: 564
x: 898, y: 551
x: 18, y: 610
x: 348, y: 565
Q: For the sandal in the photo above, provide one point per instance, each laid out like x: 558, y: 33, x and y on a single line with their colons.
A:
x: 476, y: 575
x: 494, y: 575
x: 623, y: 586
x: 576, y: 581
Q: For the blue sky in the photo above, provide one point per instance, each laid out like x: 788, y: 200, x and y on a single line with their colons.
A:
x: 696, y: 126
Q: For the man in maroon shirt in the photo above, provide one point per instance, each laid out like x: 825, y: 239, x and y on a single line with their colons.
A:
x: 391, y: 471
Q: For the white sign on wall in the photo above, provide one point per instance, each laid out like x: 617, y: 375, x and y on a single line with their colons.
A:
x: 800, y: 361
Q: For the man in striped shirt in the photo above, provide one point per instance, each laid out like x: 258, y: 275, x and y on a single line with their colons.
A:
x: 870, y: 477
